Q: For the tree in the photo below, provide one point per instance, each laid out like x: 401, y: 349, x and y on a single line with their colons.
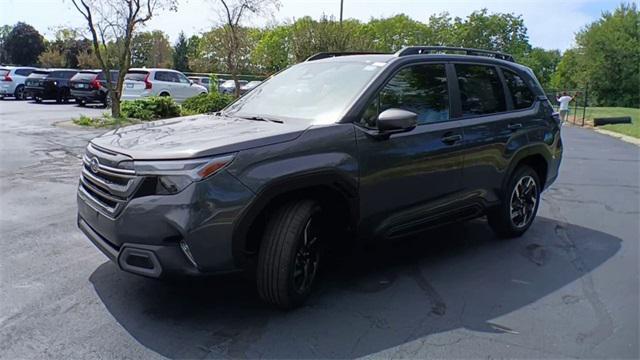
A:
x: 181, y: 53
x: 70, y: 43
x: 87, y: 60
x: 24, y: 44
x: 233, y: 13
x: 393, y: 33
x: 4, y: 32
x: 151, y: 49
x: 543, y: 63
x: 52, y: 58
x: 273, y: 52
x: 569, y: 72
x: 112, y: 24
x: 609, y: 51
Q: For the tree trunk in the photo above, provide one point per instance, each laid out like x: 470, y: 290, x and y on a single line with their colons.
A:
x: 115, y: 108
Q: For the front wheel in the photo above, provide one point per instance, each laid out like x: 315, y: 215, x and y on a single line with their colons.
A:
x: 289, y: 254
x: 520, y: 203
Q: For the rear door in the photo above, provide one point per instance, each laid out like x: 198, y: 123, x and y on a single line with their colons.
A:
x: 407, y: 180
x: 493, y: 131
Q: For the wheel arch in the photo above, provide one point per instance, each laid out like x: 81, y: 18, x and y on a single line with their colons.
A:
x: 535, y: 156
x: 333, y: 190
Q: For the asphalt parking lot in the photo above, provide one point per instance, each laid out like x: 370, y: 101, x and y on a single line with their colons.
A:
x: 568, y: 288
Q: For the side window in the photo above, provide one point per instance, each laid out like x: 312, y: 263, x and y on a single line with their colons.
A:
x: 480, y: 90
x: 520, y: 92
x: 163, y: 76
x: 24, y: 72
x: 421, y: 89
x: 181, y: 78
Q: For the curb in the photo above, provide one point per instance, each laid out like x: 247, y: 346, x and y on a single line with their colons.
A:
x: 622, y: 137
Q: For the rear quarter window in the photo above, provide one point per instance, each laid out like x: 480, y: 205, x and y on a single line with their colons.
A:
x: 521, y: 94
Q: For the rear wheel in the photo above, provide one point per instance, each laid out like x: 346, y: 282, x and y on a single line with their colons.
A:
x: 289, y: 255
x: 519, y: 206
x: 19, y: 93
x: 81, y: 103
x: 164, y: 94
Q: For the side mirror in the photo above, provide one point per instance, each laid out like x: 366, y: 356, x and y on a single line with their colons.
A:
x: 190, y: 82
x: 397, y: 120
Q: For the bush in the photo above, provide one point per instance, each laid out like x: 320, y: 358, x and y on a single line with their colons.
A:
x: 205, y: 103
x: 150, y: 108
x: 104, y: 121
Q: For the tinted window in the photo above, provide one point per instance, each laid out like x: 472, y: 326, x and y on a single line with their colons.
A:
x: 24, y: 72
x: 421, y: 89
x: 520, y: 92
x: 136, y: 75
x: 84, y: 75
x: 480, y: 90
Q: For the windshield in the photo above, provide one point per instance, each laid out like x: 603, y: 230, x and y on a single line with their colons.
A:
x: 314, y: 91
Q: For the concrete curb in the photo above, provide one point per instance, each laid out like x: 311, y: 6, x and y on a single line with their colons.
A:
x: 622, y: 137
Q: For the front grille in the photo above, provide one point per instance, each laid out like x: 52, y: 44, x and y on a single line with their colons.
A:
x: 106, y: 184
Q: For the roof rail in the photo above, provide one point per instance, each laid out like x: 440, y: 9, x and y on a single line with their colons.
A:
x: 414, y: 50
x: 324, y: 55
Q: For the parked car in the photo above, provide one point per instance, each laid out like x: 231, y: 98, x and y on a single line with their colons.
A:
x: 229, y: 86
x: 249, y: 86
x: 336, y: 149
x: 159, y: 82
x: 202, y: 81
x: 90, y: 86
x: 51, y: 84
x: 12, y: 81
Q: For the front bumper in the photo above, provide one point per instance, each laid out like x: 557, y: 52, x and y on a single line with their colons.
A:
x: 152, y: 230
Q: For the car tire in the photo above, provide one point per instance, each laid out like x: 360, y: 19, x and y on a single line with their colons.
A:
x: 164, y: 94
x: 81, y: 103
x: 19, y: 92
x: 520, y: 203
x: 38, y: 100
x: 289, y: 256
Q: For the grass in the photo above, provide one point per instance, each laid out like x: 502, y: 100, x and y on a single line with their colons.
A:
x: 632, y: 129
x: 104, y: 121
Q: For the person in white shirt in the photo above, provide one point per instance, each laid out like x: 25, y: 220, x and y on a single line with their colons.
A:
x: 564, y: 101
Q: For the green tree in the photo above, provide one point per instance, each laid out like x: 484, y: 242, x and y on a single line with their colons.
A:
x: 569, y: 72
x: 151, y: 49
x: 610, y: 56
x: 543, y: 63
x: 273, y: 52
x: 52, y: 58
x: 24, y: 44
x: 393, y: 33
x: 181, y: 53
x: 4, y: 32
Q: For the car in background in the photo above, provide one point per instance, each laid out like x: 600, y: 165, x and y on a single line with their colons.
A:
x: 249, y: 86
x: 203, y: 81
x: 229, y: 86
x: 90, y: 86
x: 140, y: 83
x: 12, y: 81
x: 51, y: 84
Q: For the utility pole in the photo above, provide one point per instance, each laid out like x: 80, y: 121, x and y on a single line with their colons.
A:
x: 341, y: 4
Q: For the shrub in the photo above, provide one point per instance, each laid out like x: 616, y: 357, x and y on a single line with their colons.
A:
x: 104, y: 121
x: 205, y: 103
x: 150, y: 108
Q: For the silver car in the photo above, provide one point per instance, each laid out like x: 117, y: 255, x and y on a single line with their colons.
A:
x: 139, y: 83
x: 12, y: 81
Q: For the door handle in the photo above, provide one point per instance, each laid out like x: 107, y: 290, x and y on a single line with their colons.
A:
x: 451, y: 139
x: 514, y: 126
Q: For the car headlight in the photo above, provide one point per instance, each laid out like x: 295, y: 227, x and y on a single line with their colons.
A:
x: 175, y: 175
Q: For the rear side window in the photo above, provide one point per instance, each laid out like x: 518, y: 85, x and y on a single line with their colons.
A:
x: 480, y: 90
x: 421, y: 89
x: 166, y: 76
x: 24, y: 72
x: 136, y: 75
x: 520, y: 93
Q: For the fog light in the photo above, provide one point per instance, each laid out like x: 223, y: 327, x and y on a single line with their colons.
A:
x: 187, y: 252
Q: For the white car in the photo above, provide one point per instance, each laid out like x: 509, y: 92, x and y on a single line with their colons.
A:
x: 12, y: 81
x: 139, y: 83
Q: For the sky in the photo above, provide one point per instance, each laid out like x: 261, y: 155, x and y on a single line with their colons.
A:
x: 551, y: 24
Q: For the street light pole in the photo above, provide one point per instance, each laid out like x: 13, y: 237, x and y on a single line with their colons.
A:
x: 341, y: 4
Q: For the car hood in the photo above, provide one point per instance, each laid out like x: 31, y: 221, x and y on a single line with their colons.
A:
x: 195, y: 136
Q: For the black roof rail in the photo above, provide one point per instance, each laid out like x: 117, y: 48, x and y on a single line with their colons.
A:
x: 414, y: 50
x: 324, y: 55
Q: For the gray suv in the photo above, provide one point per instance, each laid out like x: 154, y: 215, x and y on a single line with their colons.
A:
x: 339, y: 149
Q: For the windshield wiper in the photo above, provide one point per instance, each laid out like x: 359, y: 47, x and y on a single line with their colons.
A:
x: 260, y: 118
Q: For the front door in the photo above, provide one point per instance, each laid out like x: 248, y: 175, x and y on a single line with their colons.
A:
x: 410, y: 177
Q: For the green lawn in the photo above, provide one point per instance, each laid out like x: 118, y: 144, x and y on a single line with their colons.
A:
x: 632, y: 129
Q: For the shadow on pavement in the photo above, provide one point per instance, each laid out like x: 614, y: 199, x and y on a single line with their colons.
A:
x: 455, y: 277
